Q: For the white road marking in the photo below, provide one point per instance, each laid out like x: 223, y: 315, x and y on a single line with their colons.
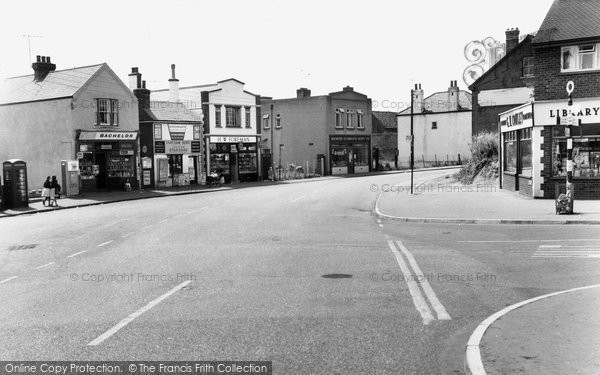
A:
x: 299, y: 198
x: 105, y: 243
x: 127, y: 234
x: 440, y: 310
x: 162, y: 221
x: 147, y: 226
x: 568, y: 251
x: 508, y: 241
x: 98, y: 340
x: 413, y: 288
x: 9, y: 279
x: 43, y: 266
x: 74, y: 255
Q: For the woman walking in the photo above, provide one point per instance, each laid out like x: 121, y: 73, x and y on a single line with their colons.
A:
x: 54, y: 191
x: 46, y: 191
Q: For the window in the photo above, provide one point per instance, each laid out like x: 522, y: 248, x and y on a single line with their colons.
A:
x: 528, y: 66
x: 350, y: 119
x: 586, y: 157
x: 339, y: 118
x: 266, y: 124
x: 582, y: 57
x: 360, y: 119
x: 434, y: 125
x: 525, y: 155
x: 510, y: 151
x: 108, y: 112
x: 218, y: 116
x: 248, y: 123
x: 232, y: 117
x: 278, y: 121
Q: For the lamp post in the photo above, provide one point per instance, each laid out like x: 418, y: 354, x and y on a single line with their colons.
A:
x: 412, y: 138
x: 272, y: 144
x: 569, y: 188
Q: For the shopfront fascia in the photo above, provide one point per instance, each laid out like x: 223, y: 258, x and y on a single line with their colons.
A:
x: 108, y: 159
x: 177, y: 155
x: 585, y: 115
x: 349, y: 154
x: 236, y: 157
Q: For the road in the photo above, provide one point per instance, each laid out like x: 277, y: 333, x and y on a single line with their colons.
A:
x: 239, y: 275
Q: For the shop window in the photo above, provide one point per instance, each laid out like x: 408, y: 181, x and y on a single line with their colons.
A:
x: 266, y: 122
x: 218, y: 116
x: 247, y: 111
x: 528, y: 66
x: 434, y: 125
x: 107, y: 112
x: 175, y: 164
x: 278, y: 121
x: 339, y: 118
x: 232, y: 117
x: 582, y: 57
x: 339, y: 156
x: 360, y: 153
x: 586, y: 157
x: 525, y: 152
x: 510, y: 151
x: 350, y: 119
x: 360, y: 119
x: 248, y: 162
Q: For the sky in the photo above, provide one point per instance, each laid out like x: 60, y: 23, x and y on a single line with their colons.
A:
x: 379, y: 47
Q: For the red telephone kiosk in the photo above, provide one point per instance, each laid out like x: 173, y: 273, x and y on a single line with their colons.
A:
x: 14, y: 177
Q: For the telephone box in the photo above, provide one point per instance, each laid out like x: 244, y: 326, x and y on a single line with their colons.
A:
x: 14, y: 176
x: 70, y: 177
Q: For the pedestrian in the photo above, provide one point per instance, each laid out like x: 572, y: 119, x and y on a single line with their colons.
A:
x: 396, y: 154
x: 54, y: 191
x: 46, y: 191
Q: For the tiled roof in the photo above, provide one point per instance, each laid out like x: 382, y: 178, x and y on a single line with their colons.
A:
x: 570, y: 20
x: 384, y: 120
x: 437, y: 102
x: 169, y: 111
x: 57, y: 84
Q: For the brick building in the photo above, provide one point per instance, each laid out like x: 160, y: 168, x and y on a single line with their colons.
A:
x: 328, y: 134
x: 507, y: 84
x: 566, y: 48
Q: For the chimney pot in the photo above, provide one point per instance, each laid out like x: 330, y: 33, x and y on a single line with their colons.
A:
x: 38, y: 58
x: 42, y: 67
x: 144, y: 84
x: 134, y: 69
x: 173, y: 71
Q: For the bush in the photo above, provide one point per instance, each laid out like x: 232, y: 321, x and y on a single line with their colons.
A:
x: 483, y: 160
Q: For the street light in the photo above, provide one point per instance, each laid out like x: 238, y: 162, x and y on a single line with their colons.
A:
x: 412, y: 137
x: 272, y: 144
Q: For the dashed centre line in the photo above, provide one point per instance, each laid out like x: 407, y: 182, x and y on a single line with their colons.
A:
x: 74, y: 255
x: 105, y: 243
x: 299, y: 198
x: 136, y: 314
x: 44, y: 266
x: 9, y: 279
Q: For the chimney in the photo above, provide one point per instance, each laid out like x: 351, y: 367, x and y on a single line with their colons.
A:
x: 142, y: 93
x: 303, y: 92
x: 512, y: 39
x: 135, y: 79
x: 452, y: 102
x: 348, y: 89
x: 42, y: 67
x: 418, y: 102
x: 173, y: 86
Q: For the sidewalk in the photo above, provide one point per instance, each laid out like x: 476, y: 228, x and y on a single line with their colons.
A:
x: 559, y: 334
x: 483, y: 203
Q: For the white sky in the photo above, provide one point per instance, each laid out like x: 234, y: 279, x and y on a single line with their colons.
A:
x: 381, y: 48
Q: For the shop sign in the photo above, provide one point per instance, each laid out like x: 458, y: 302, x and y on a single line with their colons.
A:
x: 178, y: 147
x: 105, y: 147
x: 228, y: 139
x: 80, y: 155
x: 518, y: 118
x: 159, y: 147
x: 349, y: 138
x: 177, y: 132
x: 146, y: 176
x: 548, y: 112
x: 101, y: 136
x: 196, y: 147
x: 126, y: 152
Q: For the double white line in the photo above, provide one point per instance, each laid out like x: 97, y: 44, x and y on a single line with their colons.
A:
x: 413, y: 283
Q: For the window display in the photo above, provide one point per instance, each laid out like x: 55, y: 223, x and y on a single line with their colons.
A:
x: 510, y: 151
x: 586, y: 157
x: 248, y: 163
x: 339, y: 157
x: 119, y: 165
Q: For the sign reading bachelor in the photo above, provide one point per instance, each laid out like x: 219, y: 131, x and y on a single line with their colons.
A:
x: 89, y: 136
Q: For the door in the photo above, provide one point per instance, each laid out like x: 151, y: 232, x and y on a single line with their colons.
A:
x: 102, y: 178
x: 193, y: 169
x: 266, y: 162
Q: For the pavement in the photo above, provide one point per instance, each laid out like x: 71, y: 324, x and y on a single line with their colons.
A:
x: 557, y: 334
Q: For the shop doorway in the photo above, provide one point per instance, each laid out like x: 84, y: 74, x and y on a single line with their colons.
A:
x: 102, y: 177
x: 193, y: 169
x: 266, y: 164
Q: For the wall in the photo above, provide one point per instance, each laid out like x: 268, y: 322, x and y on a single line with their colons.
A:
x: 41, y: 134
x: 452, y: 137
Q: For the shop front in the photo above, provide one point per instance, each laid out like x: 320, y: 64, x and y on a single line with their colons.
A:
x: 177, y: 151
x: 107, y: 159
x: 554, y: 116
x: 349, y: 154
x: 236, y: 157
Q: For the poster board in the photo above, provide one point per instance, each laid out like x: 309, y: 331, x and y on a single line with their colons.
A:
x: 163, y: 169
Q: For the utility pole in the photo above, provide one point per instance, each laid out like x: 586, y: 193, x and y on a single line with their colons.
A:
x: 28, y: 36
x: 412, y: 137
x: 272, y: 124
x: 570, y: 189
